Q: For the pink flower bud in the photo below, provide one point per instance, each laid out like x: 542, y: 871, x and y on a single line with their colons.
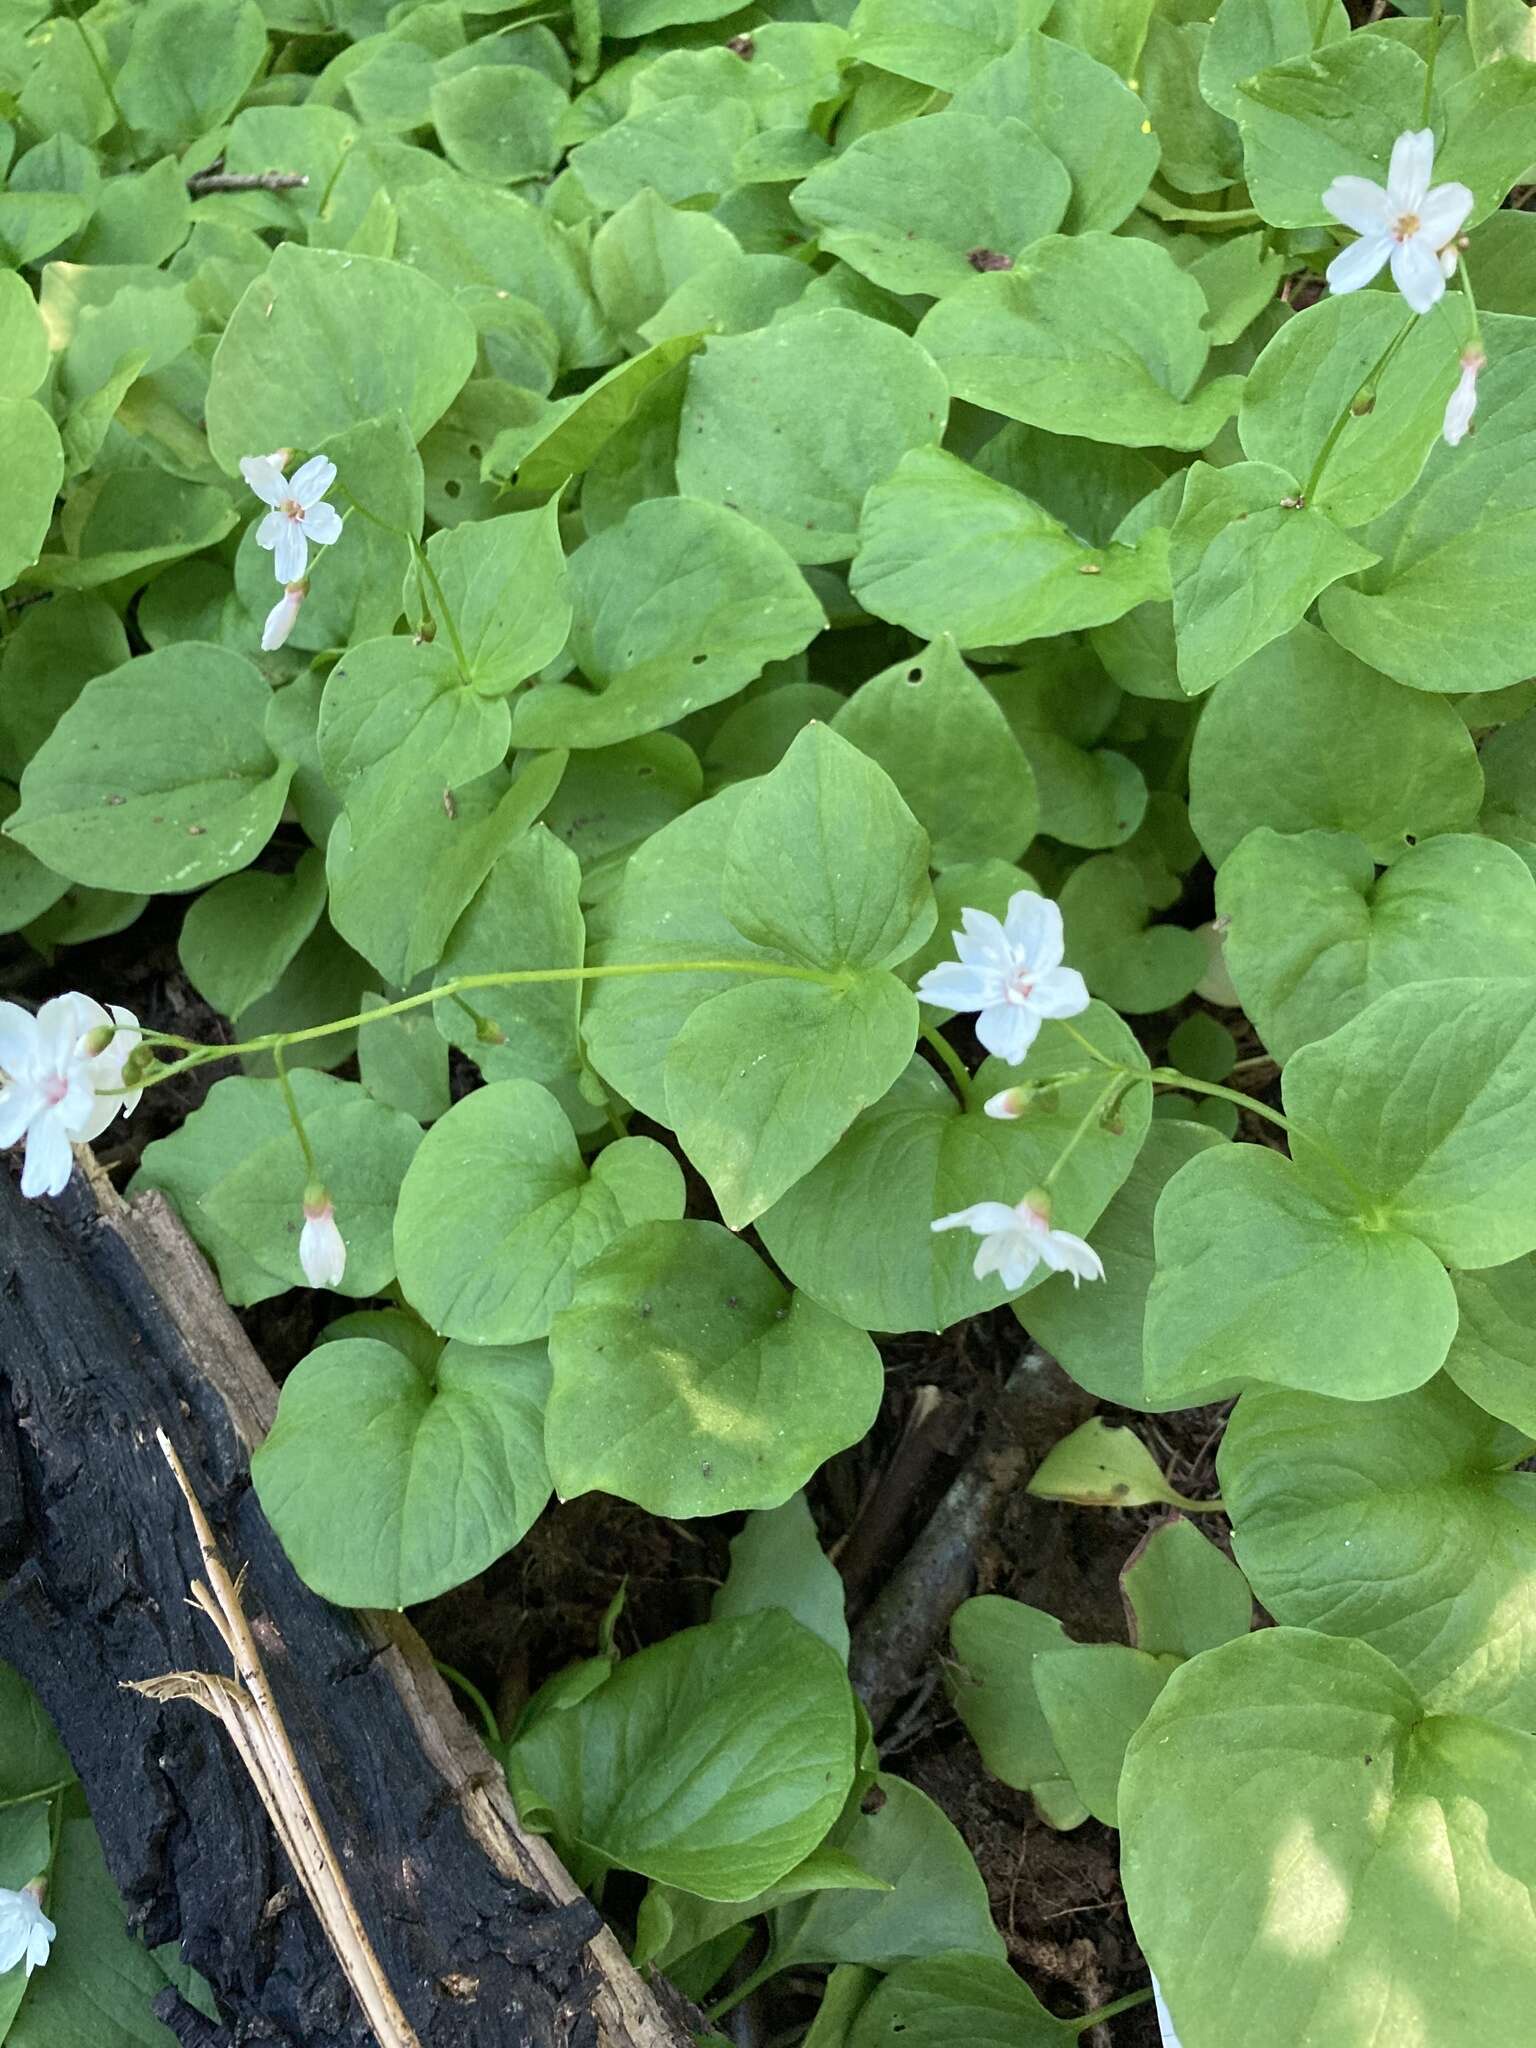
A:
x: 1011, y: 1103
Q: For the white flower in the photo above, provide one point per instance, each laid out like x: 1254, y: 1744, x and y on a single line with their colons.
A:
x: 1409, y: 225
x: 63, y: 1081
x: 298, y: 515
x: 26, y: 1932
x: 322, y: 1251
x: 1016, y: 1240
x: 283, y: 616
x: 1008, y: 1105
x: 1462, y: 403
x: 1011, y: 972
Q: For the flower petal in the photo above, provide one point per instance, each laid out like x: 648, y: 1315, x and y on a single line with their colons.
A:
x: 265, y: 478
x: 272, y: 529
x: 1417, y: 274
x: 58, y: 1034
x: 323, y: 525
x: 1008, y: 1029
x: 985, y: 1218
x: 18, y: 1040
x: 19, y: 1103
x: 282, y: 618
x: 957, y: 987
x: 48, y: 1160
x: 984, y: 930
x: 1353, y: 268
x: 1064, y: 1253
x: 1360, y: 203
x: 292, y: 552
x: 1033, y: 928
x: 1061, y: 993
x: 1008, y: 1254
x: 309, y: 484
x: 1443, y: 213
x: 1411, y: 168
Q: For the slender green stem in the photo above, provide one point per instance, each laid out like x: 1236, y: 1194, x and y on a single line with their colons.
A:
x: 38, y: 1792
x: 1100, y: 1058
x: 508, y: 979
x: 1436, y: 13
x: 1107, y: 2012
x: 1088, y: 1119
x: 958, y: 1072
x: 100, y: 70
x: 1170, y: 1077
x: 429, y: 576
x: 477, y: 1699
x: 1348, y: 412
x: 767, y: 1968
x: 311, y: 1166
x: 1464, y: 278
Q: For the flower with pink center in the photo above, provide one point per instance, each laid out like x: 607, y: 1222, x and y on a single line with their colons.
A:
x: 1009, y: 971
x: 1462, y: 402
x: 1410, y: 225
x: 299, y: 514
x: 322, y: 1249
x: 1015, y: 1240
x: 63, y: 1081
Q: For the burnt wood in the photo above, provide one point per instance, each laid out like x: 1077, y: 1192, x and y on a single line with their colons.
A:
x: 111, y: 1324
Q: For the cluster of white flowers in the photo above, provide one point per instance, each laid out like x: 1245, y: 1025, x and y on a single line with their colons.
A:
x: 63, y: 1081
x: 1413, y: 226
x: 1009, y: 972
x: 298, y: 516
x: 26, y: 1932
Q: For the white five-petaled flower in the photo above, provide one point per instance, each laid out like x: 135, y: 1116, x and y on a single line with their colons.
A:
x: 63, y: 1081
x: 1411, y: 225
x: 322, y: 1249
x: 1015, y: 1240
x: 26, y: 1932
x: 283, y: 617
x: 299, y: 514
x: 1462, y: 403
x: 1011, y: 972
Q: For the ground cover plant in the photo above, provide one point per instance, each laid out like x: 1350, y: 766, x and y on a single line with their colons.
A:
x: 797, y: 675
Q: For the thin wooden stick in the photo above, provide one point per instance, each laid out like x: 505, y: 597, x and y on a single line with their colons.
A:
x: 246, y: 1707
x: 245, y: 181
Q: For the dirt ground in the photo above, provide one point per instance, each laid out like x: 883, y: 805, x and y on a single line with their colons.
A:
x: 1056, y: 1897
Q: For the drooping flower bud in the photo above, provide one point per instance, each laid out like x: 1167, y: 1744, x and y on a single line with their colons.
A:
x: 1462, y: 402
x: 283, y: 617
x: 26, y: 1932
x: 1008, y: 1105
x: 322, y: 1250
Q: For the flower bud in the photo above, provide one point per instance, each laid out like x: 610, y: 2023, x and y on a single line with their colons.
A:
x: 322, y: 1251
x: 1462, y: 403
x: 283, y: 617
x: 97, y: 1040
x: 1011, y: 1103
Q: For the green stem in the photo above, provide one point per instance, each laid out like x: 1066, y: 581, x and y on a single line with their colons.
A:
x: 509, y: 979
x: 1107, y: 2012
x: 38, y: 1792
x: 768, y: 1967
x: 1170, y: 1077
x: 311, y: 1166
x: 101, y: 71
x: 1435, y: 15
x: 958, y: 1072
x: 429, y: 576
x: 1464, y: 278
x: 1089, y: 1118
x: 1100, y: 1058
x: 1348, y: 413
x: 477, y: 1698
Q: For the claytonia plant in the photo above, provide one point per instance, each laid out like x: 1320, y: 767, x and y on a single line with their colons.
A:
x: 1075, y: 544
x: 1009, y: 971
x: 26, y: 1932
x: 1410, y: 225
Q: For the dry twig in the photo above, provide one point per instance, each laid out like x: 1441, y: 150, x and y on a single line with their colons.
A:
x: 248, y: 1710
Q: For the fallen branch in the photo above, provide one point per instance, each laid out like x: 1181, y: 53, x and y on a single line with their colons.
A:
x: 111, y: 1327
